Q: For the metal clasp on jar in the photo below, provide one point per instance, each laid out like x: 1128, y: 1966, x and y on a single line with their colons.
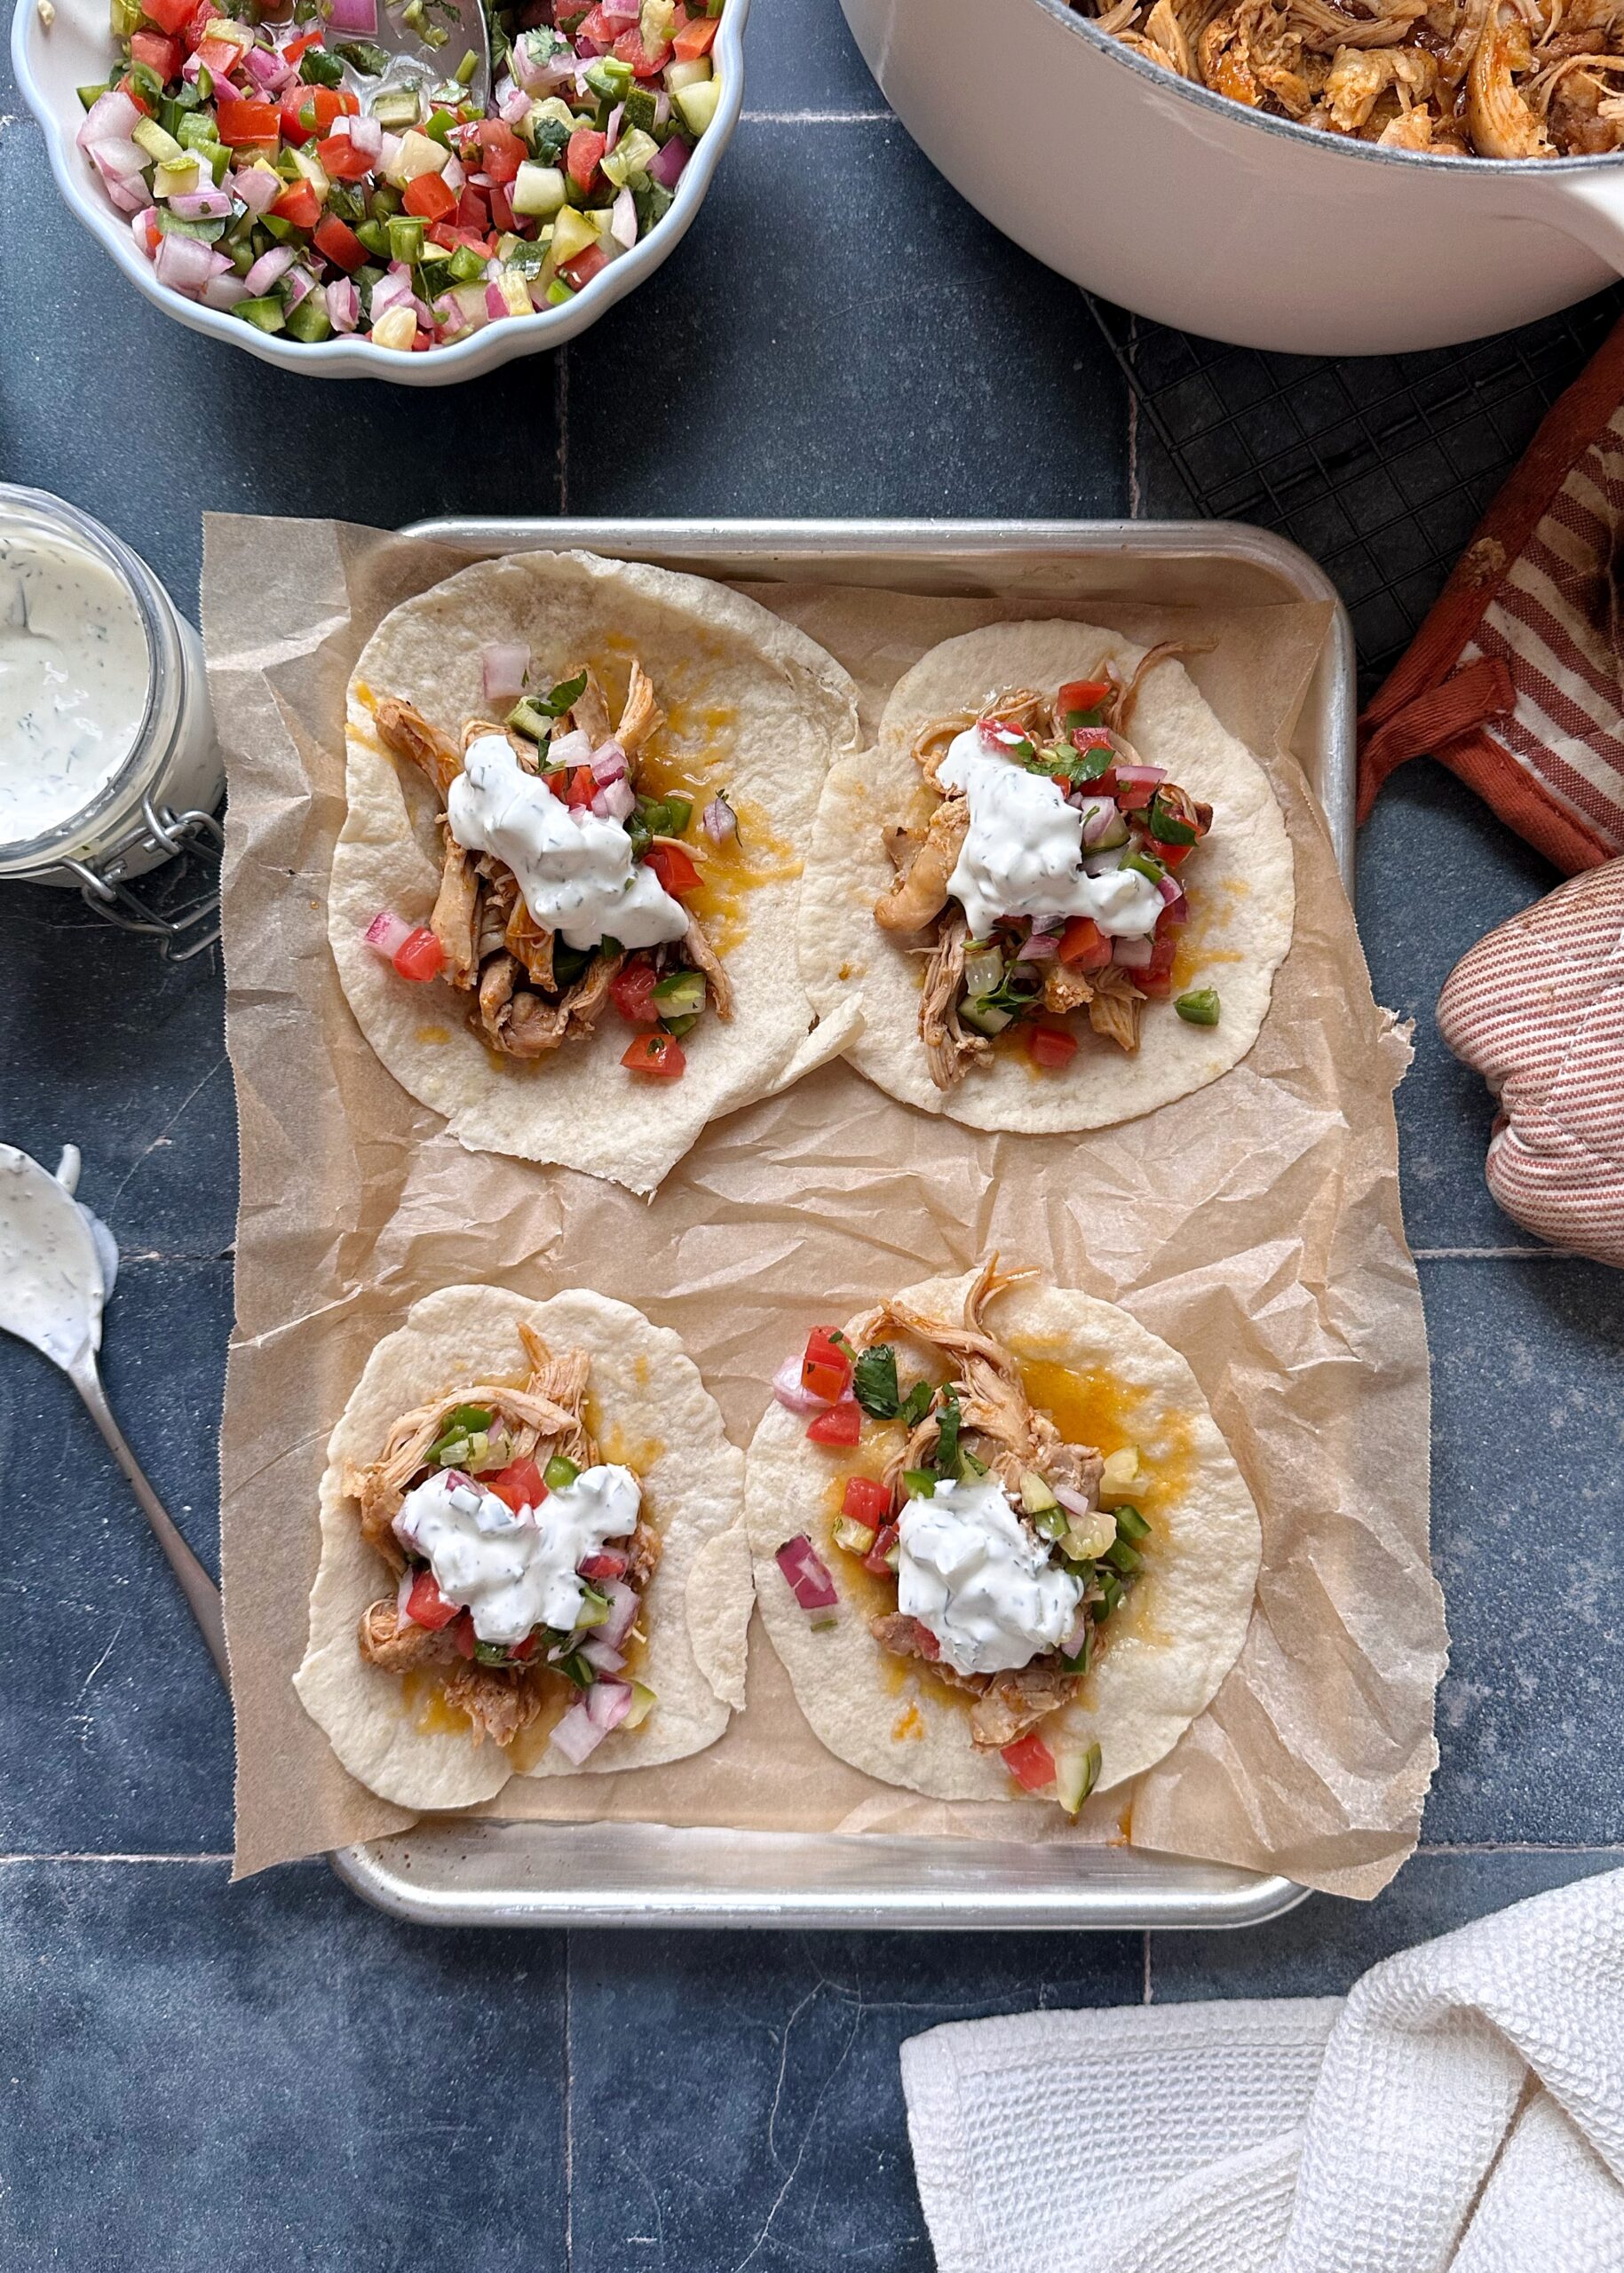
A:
x: 195, y: 836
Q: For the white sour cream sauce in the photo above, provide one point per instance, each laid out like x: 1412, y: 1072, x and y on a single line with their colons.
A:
x: 1023, y: 853
x: 516, y: 1571
x: 74, y: 679
x: 576, y: 871
x: 51, y: 1279
x: 975, y: 1576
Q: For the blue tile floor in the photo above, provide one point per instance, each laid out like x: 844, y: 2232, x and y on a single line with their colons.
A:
x: 200, y: 2076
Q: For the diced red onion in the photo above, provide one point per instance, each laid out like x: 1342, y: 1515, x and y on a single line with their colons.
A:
x: 1170, y: 888
x: 787, y: 1390
x: 1079, y: 1633
x: 1040, y: 947
x: 587, y: 52
x: 1177, y: 911
x: 225, y: 292
x: 573, y: 749
x: 1141, y: 775
x: 267, y: 270
x: 503, y: 665
x: 452, y: 174
x: 343, y: 304
x: 110, y: 118
x: 256, y: 187
x: 355, y: 16
x: 191, y: 71
x: 387, y: 934
x: 577, y: 1735
x: 494, y: 304
x: 124, y: 184
x: 513, y: 107
x: 618, y: 801
x: 609, y: 763
x: 623, y: 220
x: 666, y: 165
x: 807, y: 1574
x: 266, y: 69
x: 622, y: 1612
x: 1097, y: 822
x: 1132, y: 954
x: 602, y: 1656
x: 184, y: 263
x: 391, y: 290
x: 612, y: 130
x: 403, y: 1594
x: 367, y: 136
x: 389, y: 148
x: 607, y: 1703
x: 201, y: 205
x: 719, y: 821
x: 301, y: 283
x: 1075, y: 1503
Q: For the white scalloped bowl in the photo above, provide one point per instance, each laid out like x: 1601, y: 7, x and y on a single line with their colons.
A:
x: 53, y: 61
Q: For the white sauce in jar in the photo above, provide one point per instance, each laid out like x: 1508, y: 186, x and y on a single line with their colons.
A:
x: 74, y: 674
x: 576, y: 871
x: 972, y: 1572
x: 516, y: 1571
x: 1023, y: 852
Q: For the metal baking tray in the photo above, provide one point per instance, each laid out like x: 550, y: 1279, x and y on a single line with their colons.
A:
x: 462, y: 1870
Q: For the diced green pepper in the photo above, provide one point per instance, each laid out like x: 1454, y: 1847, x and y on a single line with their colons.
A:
x: 528, y: 718
x: 680, y: 995
x: 405, y: 237
x: 1200, y: 1007
x: 310, y: 321
x: 1131, y: 1525
x: 1124, y: 1557
x: 1143, y: 864
x: 560, y: 1473
x: 266, y: 315
x: 918, y: 1483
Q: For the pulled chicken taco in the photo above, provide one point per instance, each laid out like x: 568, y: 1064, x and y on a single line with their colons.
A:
x: 1059, y: 889
x: 580, y: 792
x: 999, y: 1555
x: 533, y: 1557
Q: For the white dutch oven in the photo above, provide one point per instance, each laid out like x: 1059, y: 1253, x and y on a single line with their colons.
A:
x: 1181, y: 205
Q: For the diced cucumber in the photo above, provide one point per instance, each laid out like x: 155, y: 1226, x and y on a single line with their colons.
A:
x: 178, y: 180
x: 571, y: 233
x: 681, y: 994
x: 397, y: 108
x: 148, y: 135
x: 266, y: 315
x: 537, y: 191
x: 1036, y: 1498
x: 643, y: 1703
x: 1118, y: 1476
x: 594, y: 1609
x: 856, y: 1538
x: 1076, y: 1773
x: 694, y: 74
x: 698, y: 104
x: 986, y: 1017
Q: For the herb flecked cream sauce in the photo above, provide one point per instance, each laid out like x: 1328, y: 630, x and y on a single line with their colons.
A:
x: 74, y: 679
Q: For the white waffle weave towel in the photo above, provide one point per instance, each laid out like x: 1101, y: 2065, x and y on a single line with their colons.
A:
x: 1463, y: 2110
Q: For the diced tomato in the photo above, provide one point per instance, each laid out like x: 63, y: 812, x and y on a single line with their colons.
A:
x: 420, y: 955
x: 1050, y: 1046
x: 127, y: 86
x: 1084, y: 945
x: 522, y: 1650
x: 659, y: 1054
x: 219, y: 57
x: 171, y: 16
x: 1156, y: 978
x: 472, y: 213
x: 598, y: 24
x: 645, y: 62
x: 240, y: 121
x: 841, y: 1424
x: 583, y: 157
x: 868, y: 1501
x: 875, y: 1560
x: 340, y: 244
x: 1030, y: 1762
x: 504, y: 151
x: 609, y: 1564
x: 426, y: 1605
x: 677, y: 873
x: 695, y: 39
x: 583, y: 788
x: 296, y: 48
x: 825, y: 1367
x: 1081, y: 694
x: 1170, y: 855
x: 503, y: 216
x: 462, y: 1633
x: 1132, y: 797
x: 159, y: 55
x: 585, y: 265
x: 427, y: 194
x: 632, y: 991
x: 558, y: 781
x: 929, y: 1648
x: 519, y: 1485
x: 341, y: 160
x: 310, y: 111
x: 299, y: 204
x: 197, y: 23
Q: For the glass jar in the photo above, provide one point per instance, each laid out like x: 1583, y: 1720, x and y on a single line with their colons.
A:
x: 156, y: 800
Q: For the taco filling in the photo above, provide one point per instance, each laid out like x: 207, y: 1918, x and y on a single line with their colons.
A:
x: 521, y: 1561
x: 1009, y: 1550
x: 1047, y: 877
x: 561, y: 886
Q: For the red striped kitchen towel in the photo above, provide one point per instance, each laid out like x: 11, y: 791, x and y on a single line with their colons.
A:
x: 1537, y: 1009
x: 1516, y: 680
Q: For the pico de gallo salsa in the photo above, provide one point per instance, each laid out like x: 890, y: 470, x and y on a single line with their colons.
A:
x: 268, y: 173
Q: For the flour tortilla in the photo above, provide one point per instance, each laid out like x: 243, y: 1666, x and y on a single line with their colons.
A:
x: 1170, y: 1645
x: 648, y: 1405
x: 773, y: 708
x: 1240, y: 884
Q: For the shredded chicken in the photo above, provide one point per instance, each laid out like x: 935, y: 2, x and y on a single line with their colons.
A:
x: 1066, y: 990
x: 1457, y: 77
x: 642, y: 715
x: 704, y: 957
x: 591, y: 713
x: 1117, y: 1007
x: 949, y: 1050
x: 920, y: 892
x: 498, y: 1703
x: 1014, y: 1702
x: 408, y: 733
x: 456, y: 905
x: 532, y: 943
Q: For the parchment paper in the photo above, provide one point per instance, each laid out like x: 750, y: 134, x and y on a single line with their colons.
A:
x: 1255, y: 1226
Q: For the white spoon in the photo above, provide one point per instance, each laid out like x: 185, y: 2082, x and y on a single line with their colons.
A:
x: 57, y: 1269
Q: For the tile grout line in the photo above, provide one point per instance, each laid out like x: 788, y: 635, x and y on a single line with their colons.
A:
x: 1134, y: 498
x: 560, y: 402
x: 817, y: 118
x: 87, y: 1857
x: 569, y: 2104
x: 1493, y: 1255
x: 1147, y: 1994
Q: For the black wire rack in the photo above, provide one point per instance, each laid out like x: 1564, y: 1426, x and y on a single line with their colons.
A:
x: 1379, y: 466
